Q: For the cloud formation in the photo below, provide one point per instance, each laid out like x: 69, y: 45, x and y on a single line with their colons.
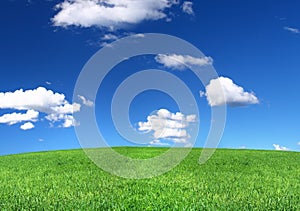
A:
x: 68, y: 120
x: 27, y: 126
x: 40, y: 100
x: 110, y: 37
x: 167, y: 126
x: 293, y: 30
x: 280, y: 148
x: 14, y: 118
x: 187, y: 7
x: 180, y: 62
x: 110, y: 14
x: 232, y: 95
x: 85, y: 101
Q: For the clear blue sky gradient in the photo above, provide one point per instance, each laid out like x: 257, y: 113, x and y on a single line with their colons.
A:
x: 246, y: 40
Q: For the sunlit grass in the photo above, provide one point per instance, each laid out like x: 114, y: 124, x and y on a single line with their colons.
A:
x: 230, y: 180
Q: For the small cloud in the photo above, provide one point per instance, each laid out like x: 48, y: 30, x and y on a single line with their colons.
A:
x: 298, y: 143
x: 242, y: 147
x: 293, y: 30
x: 27, y: 126
x: 85, y: 101
x: 168, y: 126
x: 68, y: 120
x: 280, y: 148
x: 14, y: 118
x: 106, y: 44
x: 187, y: 7
x: 111, y: 15
x: 41, y: 140
x: 139, y: 35
x: 180, y: 62
x: 223, y: 91
x: 107, y: 40
x: 48, y: 83
x: 110, y: 37
x: 202, y: 94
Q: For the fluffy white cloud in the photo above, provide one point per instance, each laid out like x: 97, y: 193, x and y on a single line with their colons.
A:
x: 68, y: 120
x: 85, y: 101
x: 168, y: 126
x: 232, y: 95
x: 14, y: 118
x: 110, y: 14
x: 187, y: 7
x: 281, y: 148
x: 293, y: 30
x: 39, y: 100
x: 180, y: 62
x: 66, y: 108
x: 27, y: 126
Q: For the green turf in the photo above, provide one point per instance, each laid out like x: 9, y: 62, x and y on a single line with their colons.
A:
x: 230, y: 180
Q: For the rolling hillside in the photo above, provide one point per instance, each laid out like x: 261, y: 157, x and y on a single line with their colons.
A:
x: 230, y: 180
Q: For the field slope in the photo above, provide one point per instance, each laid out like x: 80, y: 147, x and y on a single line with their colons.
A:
x: 230, y: 180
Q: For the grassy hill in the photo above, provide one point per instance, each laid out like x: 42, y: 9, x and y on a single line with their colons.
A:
x: 230, y: 180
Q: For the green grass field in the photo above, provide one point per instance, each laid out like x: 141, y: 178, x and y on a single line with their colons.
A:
x: 230, y: 180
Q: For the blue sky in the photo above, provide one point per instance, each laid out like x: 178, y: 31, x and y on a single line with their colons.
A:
x: 253, y: 45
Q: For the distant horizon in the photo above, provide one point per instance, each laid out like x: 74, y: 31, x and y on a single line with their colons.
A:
x: 71, y: 149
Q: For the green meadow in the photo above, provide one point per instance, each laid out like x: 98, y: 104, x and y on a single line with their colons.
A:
x: 230, y: 180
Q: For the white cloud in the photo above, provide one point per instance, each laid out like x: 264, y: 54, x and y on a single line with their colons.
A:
x: 139, y: 35
x: 281, y: 148
x: 111, y: 14
x: 39, y: 100
x: 66, y: 108
x: 232, y: 95
x: 168, y: 126
x: 298, y: 143
x: 27, y: 126
x: 187, y: 7
x: 107, y: 44
x: 14, y: 118
x: 110, y: 37
x: 293, y: 30
x: 85, y: 101
x: 68, y: 120
x: 180, y: 62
